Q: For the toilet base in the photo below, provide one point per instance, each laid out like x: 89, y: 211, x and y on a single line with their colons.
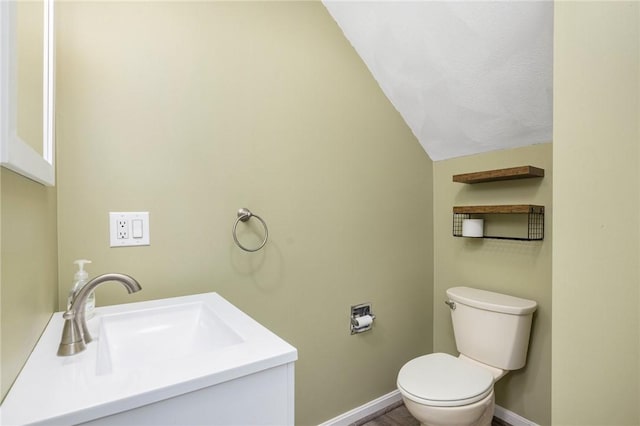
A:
x: 477, y: 414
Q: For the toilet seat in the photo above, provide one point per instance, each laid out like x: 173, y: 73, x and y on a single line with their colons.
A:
x: 442, y: 380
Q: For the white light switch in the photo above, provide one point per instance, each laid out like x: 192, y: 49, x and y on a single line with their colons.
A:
x: 129, y: 229
x: 136, y: 228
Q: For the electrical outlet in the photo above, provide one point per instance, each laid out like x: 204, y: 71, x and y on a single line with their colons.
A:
x: 122, y: 226
x: 129, y: 229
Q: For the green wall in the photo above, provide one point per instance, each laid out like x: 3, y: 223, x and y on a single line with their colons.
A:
x: 193, y: 110
x: 596, y: 247
x: 28, y: 268
x: 518, y: 268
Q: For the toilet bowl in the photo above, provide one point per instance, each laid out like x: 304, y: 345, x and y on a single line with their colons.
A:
x: 492, y: 335
x: 442, y: 390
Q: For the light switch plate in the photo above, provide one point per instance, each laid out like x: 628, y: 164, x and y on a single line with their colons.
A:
x: 128, y: 229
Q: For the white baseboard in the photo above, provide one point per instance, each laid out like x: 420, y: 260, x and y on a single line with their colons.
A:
x: 511, y: 417
x: 391, y: 398
x: 365, y: 410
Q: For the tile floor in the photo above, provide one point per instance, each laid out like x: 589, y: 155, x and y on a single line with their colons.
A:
x: 400, y: 416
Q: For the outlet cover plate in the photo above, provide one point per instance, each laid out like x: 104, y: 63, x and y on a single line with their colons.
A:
x: 121, y: 227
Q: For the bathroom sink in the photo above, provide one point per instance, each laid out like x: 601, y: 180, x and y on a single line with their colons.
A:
x: 146, y: 354
x: 145, y: 337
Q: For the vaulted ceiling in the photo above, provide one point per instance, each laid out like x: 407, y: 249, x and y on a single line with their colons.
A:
x: 467, y: 76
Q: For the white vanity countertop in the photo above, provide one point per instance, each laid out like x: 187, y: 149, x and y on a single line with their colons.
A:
x: 66, y: 390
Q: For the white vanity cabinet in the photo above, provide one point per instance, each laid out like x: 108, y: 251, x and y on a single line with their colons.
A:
x: 262, y: 398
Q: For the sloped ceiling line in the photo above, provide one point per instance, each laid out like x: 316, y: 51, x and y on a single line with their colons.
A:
x: 467, y: 77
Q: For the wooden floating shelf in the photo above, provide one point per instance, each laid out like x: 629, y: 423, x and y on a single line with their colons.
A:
x: 535, y: 219
x: 500, y: 209
x: 521, y: 172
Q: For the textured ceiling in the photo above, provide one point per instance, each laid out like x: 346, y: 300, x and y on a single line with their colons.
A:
x: 467, y: 77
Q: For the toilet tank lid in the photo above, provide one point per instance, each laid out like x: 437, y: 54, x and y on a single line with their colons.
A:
x: 491, y: 301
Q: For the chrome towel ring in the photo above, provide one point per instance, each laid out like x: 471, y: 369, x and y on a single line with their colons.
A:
x: 244, y: 215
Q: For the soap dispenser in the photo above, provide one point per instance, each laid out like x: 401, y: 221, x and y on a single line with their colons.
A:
x: 79, y: 280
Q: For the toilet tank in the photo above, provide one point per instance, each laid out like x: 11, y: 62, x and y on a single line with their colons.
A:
x: 491, y: 328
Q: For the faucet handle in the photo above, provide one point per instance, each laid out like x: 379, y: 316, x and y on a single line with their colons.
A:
x: 72, y: 341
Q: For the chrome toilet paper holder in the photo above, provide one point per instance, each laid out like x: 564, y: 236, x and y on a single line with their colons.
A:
x: 361, y: 318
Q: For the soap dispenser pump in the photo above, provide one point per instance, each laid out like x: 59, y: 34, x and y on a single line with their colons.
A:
x: 79, y: 280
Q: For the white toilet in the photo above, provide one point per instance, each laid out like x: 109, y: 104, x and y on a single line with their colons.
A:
x: 492, y: 336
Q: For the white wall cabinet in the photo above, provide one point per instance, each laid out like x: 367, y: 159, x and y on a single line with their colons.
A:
x: 26, y: 89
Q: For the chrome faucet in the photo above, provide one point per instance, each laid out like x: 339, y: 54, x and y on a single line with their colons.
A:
x: 75, y: 334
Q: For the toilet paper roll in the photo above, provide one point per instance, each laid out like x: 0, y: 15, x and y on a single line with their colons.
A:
x: 473, y: 227
x: 363, y: 321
